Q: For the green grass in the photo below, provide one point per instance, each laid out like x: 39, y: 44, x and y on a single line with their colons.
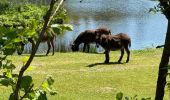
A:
x: 83, y: 76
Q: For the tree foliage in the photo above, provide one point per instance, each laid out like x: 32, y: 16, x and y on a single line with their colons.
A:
x: 18, y: 23
x: 120, y: 96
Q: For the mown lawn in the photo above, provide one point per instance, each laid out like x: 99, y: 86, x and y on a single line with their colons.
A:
x: 83, y: 76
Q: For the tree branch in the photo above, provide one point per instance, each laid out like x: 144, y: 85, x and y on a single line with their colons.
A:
x: 165, y: 6
x: 27, y: 91
x: 161, y: 81
x: 47, y: 19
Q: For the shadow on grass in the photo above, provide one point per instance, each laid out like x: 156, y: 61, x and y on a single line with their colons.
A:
x: 37, y: 55
x: 110, y: 63
x: 92, y: 52
x: 42, y: 55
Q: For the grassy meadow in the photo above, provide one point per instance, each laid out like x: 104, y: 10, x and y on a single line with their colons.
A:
x: 83, y: 76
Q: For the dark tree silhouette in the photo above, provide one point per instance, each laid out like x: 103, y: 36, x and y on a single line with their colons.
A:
x: 163, y: 66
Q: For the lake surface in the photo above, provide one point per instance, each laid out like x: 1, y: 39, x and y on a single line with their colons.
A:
x: 146, y: 29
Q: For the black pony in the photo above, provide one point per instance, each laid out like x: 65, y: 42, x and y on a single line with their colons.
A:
x: 119, y: 41
x: 87, y: 37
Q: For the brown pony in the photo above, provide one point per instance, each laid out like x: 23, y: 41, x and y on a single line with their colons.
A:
x: 48, y: 37
x: 87, y: 37
x: 119, y: 41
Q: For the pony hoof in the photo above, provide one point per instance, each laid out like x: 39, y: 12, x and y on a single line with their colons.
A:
x: 119, y: 61
x: 106, y: 62
x: 127, y: 61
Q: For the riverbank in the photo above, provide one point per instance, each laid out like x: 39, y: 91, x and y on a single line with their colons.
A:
x: 83, y: 76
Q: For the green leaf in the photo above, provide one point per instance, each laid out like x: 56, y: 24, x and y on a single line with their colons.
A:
x: 55, y: 25
x: 26, y: 82
x: 53, y: 92
x: 11, y: 66
x: 68, y: 27
x: 0, y: 64
x: 8, y: 73
x: 8, y: 46
x: 8, y: 49
x: 31, y: 95
x: 31, y: 33
x: 62, y: 27
x: 3, y: 58
x: 11, y: 97
x: 16, y: 40
x: 25, y: 59
x: 41, y: 95
x: 45, y: 85
x: 50, y: 80
x: 149, y: 98
x: 30, y: 68
x: 119, y: 96
x: 153, y: 10
x: 6, y: 81
x: 135, y: 97
x: 127, y: 98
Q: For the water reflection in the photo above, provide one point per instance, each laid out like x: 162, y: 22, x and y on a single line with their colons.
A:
x: 127, y: 16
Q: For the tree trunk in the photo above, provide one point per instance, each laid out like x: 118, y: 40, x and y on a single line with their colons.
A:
x: 163, y: 68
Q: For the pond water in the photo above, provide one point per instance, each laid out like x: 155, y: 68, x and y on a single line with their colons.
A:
x: 146, y: 29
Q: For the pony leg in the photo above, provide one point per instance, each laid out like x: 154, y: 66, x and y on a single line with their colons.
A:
x: 106, y: 56
x: 128, y: 54
x: 52, y: 44
x: 88, y: 48
x: 122, y: 53
x: 32, y: 42
x: 33, y: 46
x: 84, y: 48
x: 97, y: 45
x: 49, y: 47
x: 21, y: 48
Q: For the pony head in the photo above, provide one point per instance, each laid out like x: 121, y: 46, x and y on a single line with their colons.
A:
x: 74, y: 47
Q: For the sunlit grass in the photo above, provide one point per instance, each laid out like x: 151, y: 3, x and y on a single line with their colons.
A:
x: 83, y: 76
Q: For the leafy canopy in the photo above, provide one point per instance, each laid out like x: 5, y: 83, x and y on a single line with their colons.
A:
x: 18, y: 23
